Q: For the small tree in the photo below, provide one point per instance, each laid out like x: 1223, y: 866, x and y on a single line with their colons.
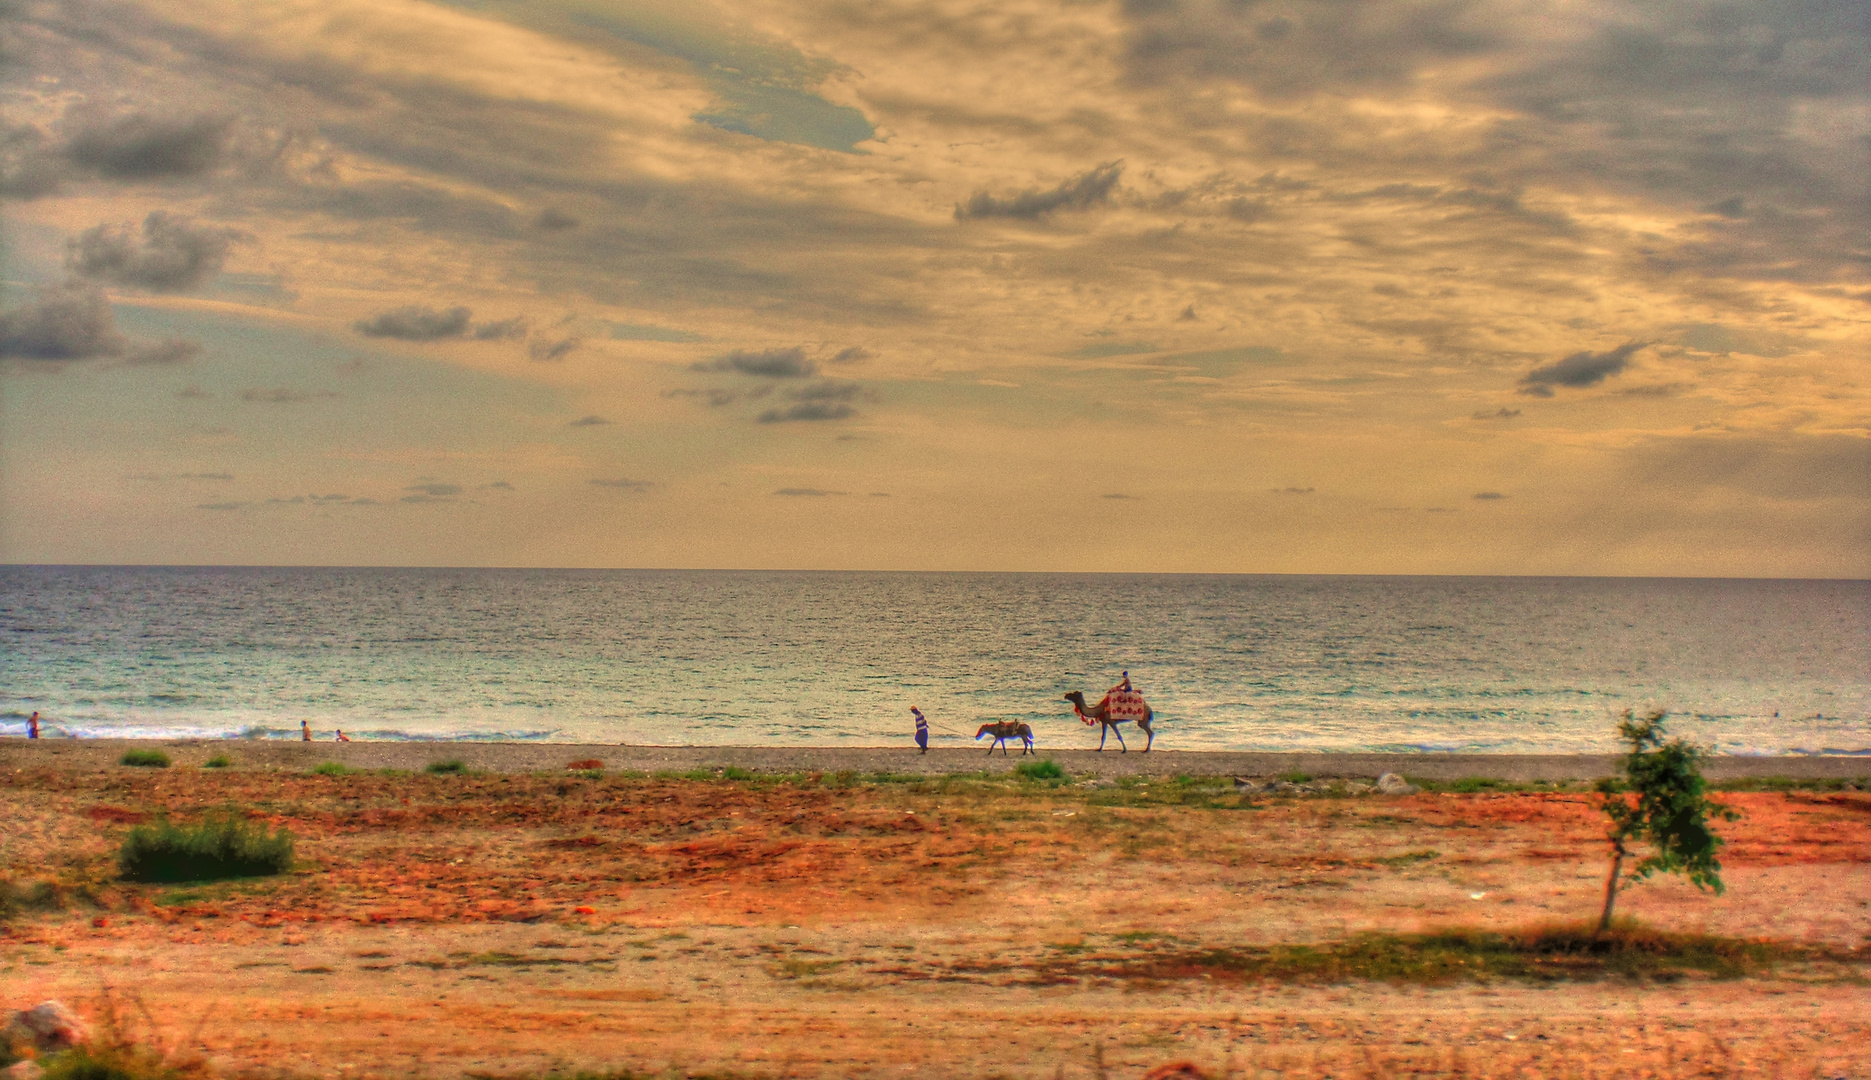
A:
x: 1670, y: 813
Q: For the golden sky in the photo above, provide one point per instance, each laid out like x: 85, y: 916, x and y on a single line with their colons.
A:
x: 1400, y: 286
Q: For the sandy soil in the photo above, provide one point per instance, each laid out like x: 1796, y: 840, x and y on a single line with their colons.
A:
x: 512, y: 924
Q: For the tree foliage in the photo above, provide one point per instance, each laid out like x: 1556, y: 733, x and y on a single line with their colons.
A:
x: 1661, y: 802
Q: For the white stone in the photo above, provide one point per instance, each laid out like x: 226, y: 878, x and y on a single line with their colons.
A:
x: 1392, y: 784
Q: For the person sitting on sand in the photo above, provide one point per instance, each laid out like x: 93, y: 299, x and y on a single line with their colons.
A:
x: 32, y: 725
x: 922, y: 729
x: 342, y: 737
x: 305, y: 731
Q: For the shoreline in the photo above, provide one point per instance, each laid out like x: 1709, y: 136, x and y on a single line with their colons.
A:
x: 281, y: 755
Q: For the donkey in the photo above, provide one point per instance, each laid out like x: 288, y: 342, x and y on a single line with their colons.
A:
x: 1004, y: 730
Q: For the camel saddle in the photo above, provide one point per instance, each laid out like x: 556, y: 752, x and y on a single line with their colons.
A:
x: 1125, y: 705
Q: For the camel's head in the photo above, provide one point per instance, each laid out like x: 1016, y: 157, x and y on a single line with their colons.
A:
x: 1076, y: 698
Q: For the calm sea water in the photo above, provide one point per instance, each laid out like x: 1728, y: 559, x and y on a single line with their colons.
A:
x: 826, y: 659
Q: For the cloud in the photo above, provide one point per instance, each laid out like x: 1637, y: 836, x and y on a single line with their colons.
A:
x: 827, y: 391
x: 1580, y: 369
x: 174, y: 254
x: 220, y: 506
x: 1081, y: 192
x: 193, y: 393
x: 852, y: 355
x: 589, y: 421
x: 70, y: 322
x: 414, y: 323
x: 434, y: 490
x: 811, y: 410
x: 172, y: 351
x: 788, y: 363
x: 28, y: 169
x: 282, y: 395
x: 546, y: 351
x: 143, y: 147
x: 1292, y: 491
x: 501, y: 485
x: 504, y: 330
x: 623, y: 483
x: 715, y: 398
x: 1121, y: 495
x: 1487, y: 496
x: 1502, y: 413
x: 554, y: 220
x: 808, y: 493
x: 204, y: 476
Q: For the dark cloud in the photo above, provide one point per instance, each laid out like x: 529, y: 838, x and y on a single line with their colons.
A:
x: 1121, y: 495
x: 589, y: 421
x: 143, y: 147
x: 1487, y: 496
x: 204, y: 476
x: 70, y: 322
x: 28, y: 168
x: 504, y: 330
x: 434, y: 490
x: 1502, y: 413
x: 1292, y: 490
x: 1188, y: 314
x: 414, y: 323
x: 501, y: 485
x: 810, y: 410
x: 282, y: 395
x: 554, y: 220
x: 1580, y: 369
x: 827, y: 391
x: 715, y: 398
x: 879, y: 495
x: 174, y: 253
x: 1081, y: 192
x: 788, y: 363
x: 172, y: 351
x: 852, y: 355
x: 808, y: 493
x: 546, y: 351
x: 623, y: 483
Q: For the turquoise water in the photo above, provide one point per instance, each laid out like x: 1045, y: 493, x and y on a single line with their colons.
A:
x: 827, y: 659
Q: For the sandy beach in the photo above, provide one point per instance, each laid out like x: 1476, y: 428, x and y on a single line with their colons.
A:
x: 807, y: 918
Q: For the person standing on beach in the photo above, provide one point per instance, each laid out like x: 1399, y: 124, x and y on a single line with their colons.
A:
x: 922, y: 729
x: 32, y: 725
x: 305, y: 731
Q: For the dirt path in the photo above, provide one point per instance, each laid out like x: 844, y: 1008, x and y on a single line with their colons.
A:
x: 512, y: 924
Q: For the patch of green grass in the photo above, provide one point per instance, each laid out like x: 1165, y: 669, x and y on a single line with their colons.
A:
x: 20, y: 896
x: 1791, y: 783
x: 217, y: 849
x: 735, y: 772
x: 451, y: 767
x: 1411, y: 858
x: 1296, y: 777
x: 1039, y: 770
x: 144, y: 759
x: 335, y: 768
x: 218, y: 761
x: 93, y: 1062
x: 1543, y: 954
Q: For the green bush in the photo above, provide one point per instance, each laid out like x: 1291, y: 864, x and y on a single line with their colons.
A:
x: 453, y: 767
x: 90, y: 1062
x: 1039, y: 770
x: 218, y: 848
x: 218, y: 761
x: 334, y: 768
x: 145, y: 759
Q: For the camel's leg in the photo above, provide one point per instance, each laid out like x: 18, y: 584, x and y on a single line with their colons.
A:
x: 1122, y: 749
x: 1102, y: 731
x: 1147, y: 730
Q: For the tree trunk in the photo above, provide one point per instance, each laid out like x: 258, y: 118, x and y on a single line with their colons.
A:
x: 1611, y: 890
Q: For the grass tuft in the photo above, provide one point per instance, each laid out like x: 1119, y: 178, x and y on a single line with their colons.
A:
x: 333, y: 768
x: 1039, y: 770
x: 145, y: 759
x: 452, y: 767
x: 218, y: 761
x: 217, y: 849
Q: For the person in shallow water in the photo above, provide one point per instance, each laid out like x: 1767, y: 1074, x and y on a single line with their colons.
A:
x: 922, y: 729
x: 32, y: 725
x: 305, y: 731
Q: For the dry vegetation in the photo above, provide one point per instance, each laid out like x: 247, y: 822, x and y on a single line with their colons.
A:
x: 441, y: 924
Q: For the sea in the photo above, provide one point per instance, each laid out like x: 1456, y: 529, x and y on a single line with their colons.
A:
x: 755, y: 658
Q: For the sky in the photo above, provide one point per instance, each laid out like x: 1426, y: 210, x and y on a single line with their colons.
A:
x: 1230, y: 286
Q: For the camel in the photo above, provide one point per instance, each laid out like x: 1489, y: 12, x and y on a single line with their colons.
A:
x: 1007, y: 729
x: 1102, y: 715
